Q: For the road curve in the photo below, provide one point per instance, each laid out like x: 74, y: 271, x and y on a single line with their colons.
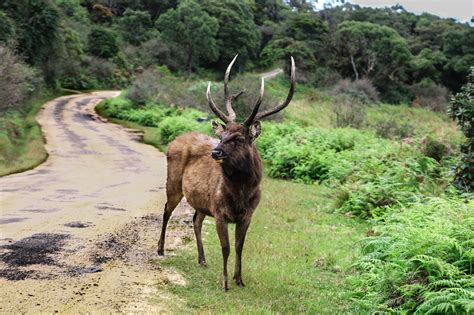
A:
x: 96, y: 172
x: 78, y: 233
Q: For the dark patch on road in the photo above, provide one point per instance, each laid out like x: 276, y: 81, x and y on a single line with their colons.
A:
x: 79, y: 224
x: 12, y: 220
x: 32, y: 250
x: 109, y: 207
x: 16, y: 274
x: 40, y: 210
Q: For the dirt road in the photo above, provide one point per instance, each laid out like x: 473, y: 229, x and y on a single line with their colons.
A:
x: 79, y: 232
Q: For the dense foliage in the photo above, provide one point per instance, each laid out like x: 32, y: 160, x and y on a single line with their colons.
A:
x: 462, y: 110
x: 86, y: 44
x: 419, y: 260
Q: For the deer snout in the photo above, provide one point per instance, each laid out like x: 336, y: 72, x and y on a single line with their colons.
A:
x: 217, y: 154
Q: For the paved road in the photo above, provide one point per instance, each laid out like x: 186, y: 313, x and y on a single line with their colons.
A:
x: 271, y: 74
x: 96, y: 172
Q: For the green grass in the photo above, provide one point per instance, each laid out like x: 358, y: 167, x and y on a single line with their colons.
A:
x: 21, y: 141
x: 294, y: 261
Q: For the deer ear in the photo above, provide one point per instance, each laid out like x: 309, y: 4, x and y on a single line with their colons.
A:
x: 254, y: 130
x: 218, y: 128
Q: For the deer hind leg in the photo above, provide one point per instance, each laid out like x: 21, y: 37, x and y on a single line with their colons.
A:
x: 222, y: 232
x: 240, y: 232
x: 174, y: 196
x: 197, y: 223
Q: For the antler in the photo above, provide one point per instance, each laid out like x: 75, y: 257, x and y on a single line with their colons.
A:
x: 254, y: 116
x: 227, y: 96
x: 250, y: 119
x: 213, y: 106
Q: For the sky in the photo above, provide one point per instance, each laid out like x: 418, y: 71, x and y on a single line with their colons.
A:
x: 462, y: 10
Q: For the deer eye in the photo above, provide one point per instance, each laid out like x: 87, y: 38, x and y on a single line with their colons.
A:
x: 240, y: 140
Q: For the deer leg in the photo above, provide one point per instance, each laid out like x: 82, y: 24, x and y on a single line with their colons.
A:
x: 222, y: 232
x: 240, y: 232
x: 169, y: 208
x: 197, y: 223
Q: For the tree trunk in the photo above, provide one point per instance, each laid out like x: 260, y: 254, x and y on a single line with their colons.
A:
x: 354, y: 68
x: 190, y: 60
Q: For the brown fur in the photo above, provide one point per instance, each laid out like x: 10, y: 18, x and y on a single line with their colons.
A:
x: 229, y: 191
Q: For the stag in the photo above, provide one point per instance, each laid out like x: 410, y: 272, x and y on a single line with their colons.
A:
x: 220, y: 178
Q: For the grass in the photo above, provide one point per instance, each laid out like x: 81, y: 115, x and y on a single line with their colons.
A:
x: 22, y: 143
x: 290, y: 264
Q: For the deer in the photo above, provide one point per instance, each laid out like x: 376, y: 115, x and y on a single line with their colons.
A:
x: 220, y: 177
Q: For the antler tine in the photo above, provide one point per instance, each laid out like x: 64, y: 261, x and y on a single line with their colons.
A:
x: 250, y: 119
x: 288, y: 98
x: 228, y: 97
x: 213, y: 106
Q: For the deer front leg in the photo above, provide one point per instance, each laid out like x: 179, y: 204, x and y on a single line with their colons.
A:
x: 197, y: 223
x: 222, y: 232
x: 240, y: 232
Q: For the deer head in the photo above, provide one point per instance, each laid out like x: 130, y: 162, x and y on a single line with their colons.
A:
x: 236, y: 139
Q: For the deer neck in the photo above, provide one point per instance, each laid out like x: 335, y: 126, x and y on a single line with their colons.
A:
x: 246, y: 175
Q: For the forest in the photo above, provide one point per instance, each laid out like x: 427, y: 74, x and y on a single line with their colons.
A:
x: 375, y: 153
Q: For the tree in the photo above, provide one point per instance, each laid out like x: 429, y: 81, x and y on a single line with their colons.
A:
x: 462, y: 110
x: 459, y: 51
x: 7, y: 28
x: 372, y: 51
x: 237, y: 34
x: 38, y: 28
x: 102, y: 43
x: 192, y: 31
x: 135, y: 26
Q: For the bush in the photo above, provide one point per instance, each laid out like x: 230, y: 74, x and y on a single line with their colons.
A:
x: 171, y: 127
x: 169, y: 121
x: 393, y: 129
x: 17, y: 81
x: 434, y: 148
x: 145, y: 87
x: 361, y: 90
x: 349, y: 112
x: 372, y: 174
x: 430, y: 95
x: 461, y: 109
x: 102, y: 43
x: 419, y: 261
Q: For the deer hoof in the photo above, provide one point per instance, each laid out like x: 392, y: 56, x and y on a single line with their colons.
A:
x: 161, y: 252
x: 239, y: 281
x: 225, y: 286
x: 203, y: 263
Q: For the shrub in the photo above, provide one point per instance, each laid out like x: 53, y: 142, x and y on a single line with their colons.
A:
x: 430, y: 95
x: 419, y: 261
x: 393, y: 129
x: 102, y: 43
x: 145, y: 87
x: 434, y: 148
x: 361, y: 90
x: 171, y: 127
x: 17, y: 80
x: 169, y: 121
x: 348, y: 112
x: 462, y: 110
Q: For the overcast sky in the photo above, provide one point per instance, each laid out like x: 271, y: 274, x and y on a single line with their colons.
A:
x: 462, y: 10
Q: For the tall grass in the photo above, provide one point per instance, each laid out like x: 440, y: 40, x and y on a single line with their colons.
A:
x: 21, y: 140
